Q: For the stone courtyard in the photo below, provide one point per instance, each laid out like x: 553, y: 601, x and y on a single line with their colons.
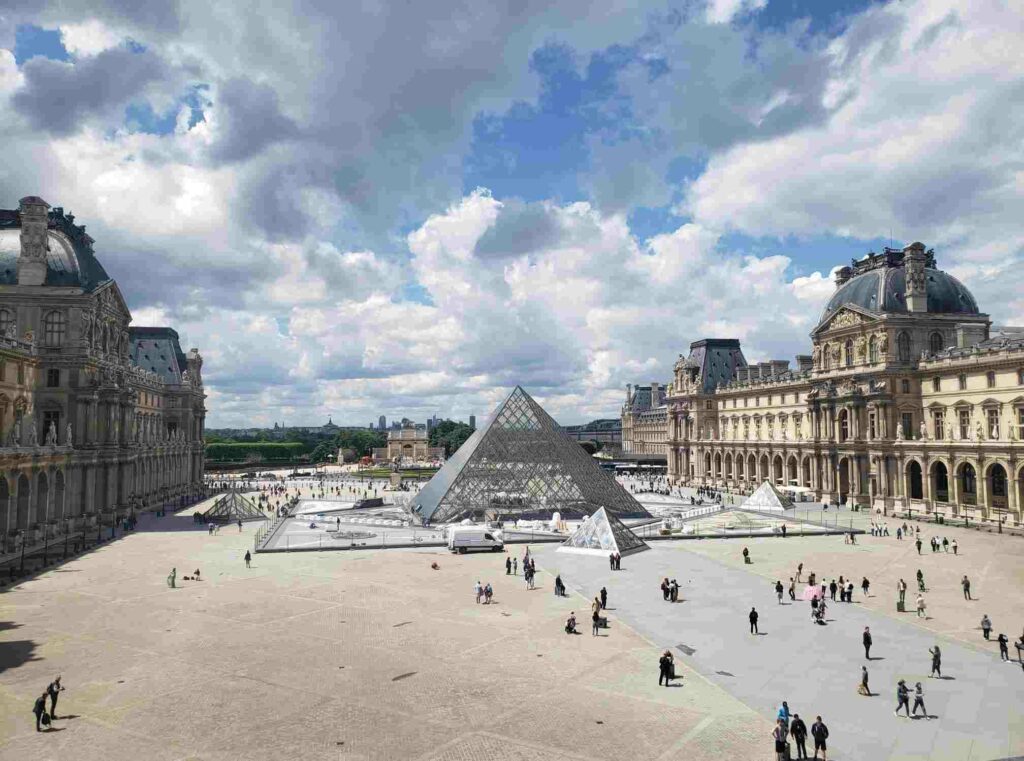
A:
x: 372, y: 654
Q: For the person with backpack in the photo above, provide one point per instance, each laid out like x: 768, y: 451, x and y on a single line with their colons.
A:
x: 798, y: 729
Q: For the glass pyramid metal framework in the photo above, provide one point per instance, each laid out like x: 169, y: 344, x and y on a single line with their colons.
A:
x: 521, y: 464
x: 603, y: 534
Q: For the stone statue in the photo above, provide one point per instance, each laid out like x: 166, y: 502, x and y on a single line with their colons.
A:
x: 68, y: 438
x: 949, y: 431
x: 899, y: 432
x: 979, y: 431
x: 883, y: 343
x: 924, y: 431
x: 33, y: 438
x: 12, y: 331
x: 862, y: 348
x: 1011, y: 430
x: 51, y: 435
x: 816, y: 355
x: 784, y: 434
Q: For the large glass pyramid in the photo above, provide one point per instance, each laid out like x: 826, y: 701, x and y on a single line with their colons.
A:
x: 521, y: 464
x: 603, y: 534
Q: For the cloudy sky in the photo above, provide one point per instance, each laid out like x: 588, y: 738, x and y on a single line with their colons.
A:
x: 407, y: 208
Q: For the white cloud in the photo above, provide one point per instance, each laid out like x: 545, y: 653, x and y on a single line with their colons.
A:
x: 926, y: 140
x: 88, y: 38
x: 724, y: 11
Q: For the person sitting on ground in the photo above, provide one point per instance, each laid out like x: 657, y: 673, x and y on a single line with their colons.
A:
x: 195, y: 575
x: 570, y: 623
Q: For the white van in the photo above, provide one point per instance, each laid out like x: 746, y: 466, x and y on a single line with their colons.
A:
x: 462, y: 539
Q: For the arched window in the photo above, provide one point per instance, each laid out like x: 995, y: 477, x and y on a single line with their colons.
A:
x: 54, y: 327
x: 6, y: 321
x: 903, y: 347
x: 935, y: 343
x: 848, y: 350
x: 873, y: 350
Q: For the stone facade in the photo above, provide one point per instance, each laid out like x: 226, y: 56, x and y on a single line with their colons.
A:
x: 909, y: 399
x: 645, y: 421
x: 96, y: 418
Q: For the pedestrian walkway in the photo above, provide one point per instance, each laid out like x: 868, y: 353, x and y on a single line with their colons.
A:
x: 815, y: 668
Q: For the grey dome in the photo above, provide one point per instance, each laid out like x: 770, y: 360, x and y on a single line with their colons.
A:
x: 70, y: 260
x: 884, y: 290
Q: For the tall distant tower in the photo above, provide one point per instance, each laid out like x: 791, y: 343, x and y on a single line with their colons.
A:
x: 915, y: 259
x: 472, y: 422
x: 382, y: 423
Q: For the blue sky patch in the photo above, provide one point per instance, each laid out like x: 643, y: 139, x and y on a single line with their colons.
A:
x: 31, y: 41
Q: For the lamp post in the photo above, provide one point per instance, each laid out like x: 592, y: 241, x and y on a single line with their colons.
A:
x: 21, y: 568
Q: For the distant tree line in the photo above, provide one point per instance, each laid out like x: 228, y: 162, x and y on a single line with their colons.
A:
x: 450, y: 435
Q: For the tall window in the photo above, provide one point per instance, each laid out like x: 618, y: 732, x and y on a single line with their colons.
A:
x: 872, y: 429
x: 54, y: 327
x: 903, y: 347
x: 935, y: 342
x: 1020, y: 423
x: 936, y: 384
x: 908, y: 424
x: 962, y: 381
x: 965, y: 424
x: 53, y: 378
x: 848, y: 351
x: 21, y: 374
x: 939, y: 418
x: 993, y: 423
x: 6, y: 321
x: 905, y: 386
x: 844, y: 426
x: 873, y: 350
x: 990, y: 379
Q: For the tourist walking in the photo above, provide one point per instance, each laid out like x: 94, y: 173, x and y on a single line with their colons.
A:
x: 820, y: 734
x: 664, y: 589
x: 865, y: 585
x: 479, y: 590
x: 799, y: 571
x: 918, y: 545
x: 832, y: 589
x: 920, y: 607
x: 986, y: 626
x: 779, y: 590
x: 604, y: 598
x: 53, y: 690
x: 508, y: 566
x: 1004, y: 650
x: 666, y: 668
x: 673, y: 591
x: 866, y: 639
x: 248, y: 559
x: 753, y: 620
x: 783, y: 715
x: 792, y: 589
x: 966, y: 584
x: 863, y: 689
x: 920, y: 581
x: 595, y: 621
x: 901, y: 588
x: 799, y: 732
x: 515, y: 566
x: 902, y: 698
x: 936, y: 661
x: 39, y: 709
x: 172, y: 577
x: 954, y: 546
x: 919, y: 700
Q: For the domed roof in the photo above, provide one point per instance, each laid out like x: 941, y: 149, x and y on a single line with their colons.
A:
x: 70, y: 261
x: 884, y: 290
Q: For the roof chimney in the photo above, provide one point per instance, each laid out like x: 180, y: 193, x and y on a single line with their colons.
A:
x: 32, y: 261
x: 914, y: 260
x: 842, y: 275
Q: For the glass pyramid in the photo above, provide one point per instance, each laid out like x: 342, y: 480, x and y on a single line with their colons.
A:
x: 766, y: 497
x: 603, y: 534
x: 521, y: 464
x: 232, y: 507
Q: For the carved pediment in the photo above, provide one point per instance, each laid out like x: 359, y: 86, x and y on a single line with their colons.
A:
x: 110, y: 300
x: 848, y: 317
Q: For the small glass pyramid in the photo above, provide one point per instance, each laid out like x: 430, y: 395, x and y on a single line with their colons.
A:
x: 232, y: 507
x: 604, y: 534
x: 521, y: 464
x: 767, y: 498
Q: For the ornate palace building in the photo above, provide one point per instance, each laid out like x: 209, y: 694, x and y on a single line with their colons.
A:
x: 909, y: 399
x: 644, y: 421
x: 96, y: 418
